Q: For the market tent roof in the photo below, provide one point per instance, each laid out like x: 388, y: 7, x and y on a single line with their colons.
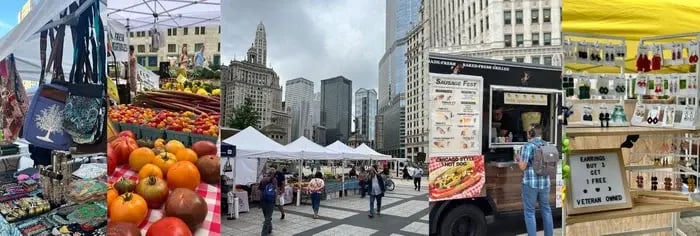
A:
x: 364, y: 149
x: 138, y: 15
x: 631, y: 19
x: 252, y: 144
x: 23, y: 41
x: 312, y: 151
x: 348, y: 152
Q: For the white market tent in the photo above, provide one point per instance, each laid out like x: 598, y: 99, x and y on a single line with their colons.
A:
x: 348, y: 152
x: 252, y: 145
x: 371, y: 153
x: 312, y: 151
x: 142, y: 15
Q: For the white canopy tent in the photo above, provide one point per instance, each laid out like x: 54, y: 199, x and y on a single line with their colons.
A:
x: 371, y: 153
x: 142, y: 15
x: 348, y: 152
x: 311, y: 151
x: 252, y: 145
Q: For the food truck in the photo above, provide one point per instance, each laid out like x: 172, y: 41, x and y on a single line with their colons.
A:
x: 479, y: 113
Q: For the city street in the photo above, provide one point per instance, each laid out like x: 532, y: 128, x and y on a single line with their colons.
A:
x: 404, y: 212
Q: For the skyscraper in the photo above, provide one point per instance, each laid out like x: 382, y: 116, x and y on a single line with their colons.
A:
x: 520, y: 31
x: 401, y: 17
x: 365, y: 114
x: 336, y: 108
x: 299, y: 95
x: 252, y: 79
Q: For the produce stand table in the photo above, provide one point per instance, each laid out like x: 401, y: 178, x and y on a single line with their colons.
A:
x: 210, y: 193
x: 645, y: 217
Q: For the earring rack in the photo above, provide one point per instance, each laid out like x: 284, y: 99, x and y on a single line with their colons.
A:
x: 668, y: 96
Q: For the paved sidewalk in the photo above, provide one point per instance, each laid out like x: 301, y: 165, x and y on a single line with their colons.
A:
x: 404, y: 212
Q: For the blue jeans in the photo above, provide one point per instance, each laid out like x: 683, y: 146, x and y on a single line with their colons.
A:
x: 372, y: 198
x: 541, y: 196
x: 315, y: 202
x: 267, y: 209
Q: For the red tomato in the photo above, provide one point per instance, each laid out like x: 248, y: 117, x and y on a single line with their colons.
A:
x: 172, y: 226
x: 112, y: 160
x: 123, y: 146
x: 127, y: 133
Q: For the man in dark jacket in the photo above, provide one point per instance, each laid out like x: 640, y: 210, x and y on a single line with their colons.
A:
x: 267, y: 207
x: 375, y: 190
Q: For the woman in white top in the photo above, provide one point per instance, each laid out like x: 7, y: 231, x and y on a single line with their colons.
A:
x: 315, y: 187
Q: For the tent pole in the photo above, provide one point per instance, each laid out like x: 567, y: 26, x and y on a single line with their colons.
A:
x: 301, y: 174
x: 342, y: 172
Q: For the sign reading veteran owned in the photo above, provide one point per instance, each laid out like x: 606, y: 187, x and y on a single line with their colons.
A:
x: 597, y: 181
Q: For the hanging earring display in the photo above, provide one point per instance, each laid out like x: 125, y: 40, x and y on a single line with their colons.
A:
x: 654, y: 183
x: 667, y: 183
x: 691, y: 184
x: 679, y: 184
x: 640, y: 181
x: 657, y: 58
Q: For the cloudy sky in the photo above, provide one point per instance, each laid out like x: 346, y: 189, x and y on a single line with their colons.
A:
x: 314, y: 39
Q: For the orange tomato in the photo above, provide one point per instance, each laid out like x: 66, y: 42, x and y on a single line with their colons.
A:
x: 140, y: 157
x: 112, y: 194
x: 187, y: 155
x: 174, y: 146
x: 128, y: 207
x: 159, y: 143
x: 164, y: 161
x: 183, y: 174
x: 150, y: 170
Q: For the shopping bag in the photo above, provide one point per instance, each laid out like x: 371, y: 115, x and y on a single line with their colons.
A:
x: 14, y: 100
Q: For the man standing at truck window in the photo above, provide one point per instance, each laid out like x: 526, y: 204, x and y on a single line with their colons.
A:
x: 507, y: 124
x: 535, y: 187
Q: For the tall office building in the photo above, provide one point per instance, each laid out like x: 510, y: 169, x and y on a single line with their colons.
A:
x: 298, y: 96
x: 251, y: 79
x: 336, y: 108
x: 521, y: 31
x: 401, y: 17
x: 365, y: 115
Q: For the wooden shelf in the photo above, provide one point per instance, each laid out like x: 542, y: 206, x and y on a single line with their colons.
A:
x: 572, y: 132
x: 639, y: 209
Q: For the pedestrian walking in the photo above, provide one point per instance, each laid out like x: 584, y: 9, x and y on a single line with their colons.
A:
x: 535, y: 188
x: 362, y: 177
x: 316, y: 186
x: 268, y: 188
x: 376, y: 189
x: 417, y: 176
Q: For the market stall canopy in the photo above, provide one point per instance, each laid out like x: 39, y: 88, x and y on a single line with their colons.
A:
x: 23, y: 41
x: 631, y: 19
x: 139, y: 15
x: 374, y: 155
x: 251, y: 144
x: 312, y: 151
x: 348, y: 152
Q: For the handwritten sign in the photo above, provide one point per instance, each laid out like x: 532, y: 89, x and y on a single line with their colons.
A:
x: 597, y: 182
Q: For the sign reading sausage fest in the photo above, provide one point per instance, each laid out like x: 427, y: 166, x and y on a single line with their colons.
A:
x: 456, y: 177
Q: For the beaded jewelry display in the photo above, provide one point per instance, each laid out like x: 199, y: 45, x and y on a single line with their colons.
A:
x: 654, y: 183
x: 640, y: 181
x: 667, y: 183
x: 691, y: 185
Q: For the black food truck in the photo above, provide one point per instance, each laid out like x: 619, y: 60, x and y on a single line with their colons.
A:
x: 479, y: 113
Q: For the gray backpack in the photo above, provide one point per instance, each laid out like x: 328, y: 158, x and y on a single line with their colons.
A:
x: 545, y: 161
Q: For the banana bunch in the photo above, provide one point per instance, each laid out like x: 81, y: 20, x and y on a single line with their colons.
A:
x: 112, y: 90
x: 563, y: 194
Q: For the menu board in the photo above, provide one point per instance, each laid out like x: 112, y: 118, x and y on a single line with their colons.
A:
x: 597, y: 182
x: 525, y: 99
x: 456, y: 177
x: 456, y: 104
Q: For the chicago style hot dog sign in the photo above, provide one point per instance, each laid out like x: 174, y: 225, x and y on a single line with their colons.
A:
x: 456, y: 163
x: 456, y: 177
x: 597, y: 182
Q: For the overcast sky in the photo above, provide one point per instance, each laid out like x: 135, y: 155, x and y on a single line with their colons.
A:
x: 314, y: 39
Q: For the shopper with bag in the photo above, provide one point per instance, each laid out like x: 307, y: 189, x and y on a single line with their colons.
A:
x: 375, y: 189
x: 315, y: 188
x: 279, y: 176
x: 538, y: 161
x: 268, y: 188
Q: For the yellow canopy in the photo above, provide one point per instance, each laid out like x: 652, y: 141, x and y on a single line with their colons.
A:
x: 631, y: 19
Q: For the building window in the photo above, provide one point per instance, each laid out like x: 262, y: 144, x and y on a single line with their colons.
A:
x: 546, y: 15
x: 519, y: 17
x: 536, y: 39
x: 519, y: 40
x: 218, y: 48
x: 142, y: 48
x: 535, y: 59
x: 184, y: 30
x: 142, y: 60
x: 131, y: 34
x: 508, y: 39
x: 199, y: 30
x: 151, y: 49
x: 547, y: 39
x: 219, y: 29
x: 487, y: 22
x: 153, y: 61
x: 172, y: 48
x: 198, y: 46
x: 535, y: 15
x: 548, y: 60
x: 508, y: 59
x: 481, y: 27
x: 217, y: 59
x: 507, y: 18
x: 520, y: 59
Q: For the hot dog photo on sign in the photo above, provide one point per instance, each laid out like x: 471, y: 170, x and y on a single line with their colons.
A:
x: 456, y: 177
